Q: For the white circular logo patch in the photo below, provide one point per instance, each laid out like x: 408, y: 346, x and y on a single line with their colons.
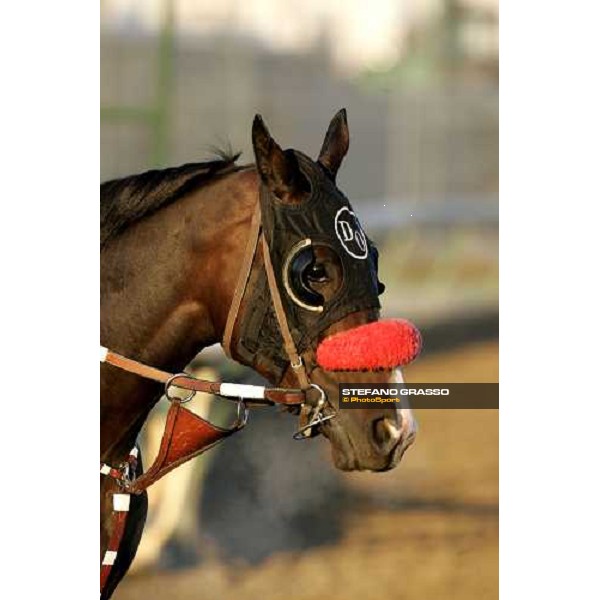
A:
x: 350, y: 233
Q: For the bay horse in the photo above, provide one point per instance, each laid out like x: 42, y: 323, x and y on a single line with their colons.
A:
x: 173, y: 245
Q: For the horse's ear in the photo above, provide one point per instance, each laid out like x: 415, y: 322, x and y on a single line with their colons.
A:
x: 336, y: 143
x: 277, y: 169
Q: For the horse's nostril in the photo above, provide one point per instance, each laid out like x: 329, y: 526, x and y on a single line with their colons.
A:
x: 386, y: 434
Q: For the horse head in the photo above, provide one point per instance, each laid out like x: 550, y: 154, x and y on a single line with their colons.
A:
x: 308, y: 314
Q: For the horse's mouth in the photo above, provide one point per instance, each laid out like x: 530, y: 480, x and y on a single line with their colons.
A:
x: 347, y: 456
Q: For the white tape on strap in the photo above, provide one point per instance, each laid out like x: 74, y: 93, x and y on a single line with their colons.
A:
x: 103, y: 353
x: 121, y: 502
x: 109, y: 557
x: 236, y: 390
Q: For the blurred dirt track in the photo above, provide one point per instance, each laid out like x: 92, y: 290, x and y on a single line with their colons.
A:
x: 426, y: 530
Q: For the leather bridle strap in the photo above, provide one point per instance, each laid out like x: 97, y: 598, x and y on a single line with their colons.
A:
x: 242, y: 282
x: 290, y: 347
x: 256, y: 394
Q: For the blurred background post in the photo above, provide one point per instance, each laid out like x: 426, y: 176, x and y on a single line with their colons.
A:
x: 419, y: 79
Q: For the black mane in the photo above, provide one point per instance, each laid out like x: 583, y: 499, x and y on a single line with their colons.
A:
x: 126, y: 201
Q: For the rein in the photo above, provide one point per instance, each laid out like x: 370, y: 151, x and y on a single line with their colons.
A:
x: 257, y: 394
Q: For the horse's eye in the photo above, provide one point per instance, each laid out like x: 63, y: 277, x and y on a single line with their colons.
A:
x: 316, y: 273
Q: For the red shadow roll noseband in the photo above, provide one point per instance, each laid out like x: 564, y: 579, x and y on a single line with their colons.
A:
x: 375, y: 346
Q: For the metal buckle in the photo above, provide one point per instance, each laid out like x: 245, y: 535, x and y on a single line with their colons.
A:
x: 242, y: 414
x: 128, y: 476
x: 322, y: 396
x: 316, y: 417
x: 169, y: 383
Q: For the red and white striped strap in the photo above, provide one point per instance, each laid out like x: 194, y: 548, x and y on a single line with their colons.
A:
x: 119, y: 518
x: 121, y: 502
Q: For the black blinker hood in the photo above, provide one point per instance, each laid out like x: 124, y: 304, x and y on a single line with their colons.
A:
x: 326, y: 217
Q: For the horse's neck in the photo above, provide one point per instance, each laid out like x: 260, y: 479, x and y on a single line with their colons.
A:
x: 166, y: 286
